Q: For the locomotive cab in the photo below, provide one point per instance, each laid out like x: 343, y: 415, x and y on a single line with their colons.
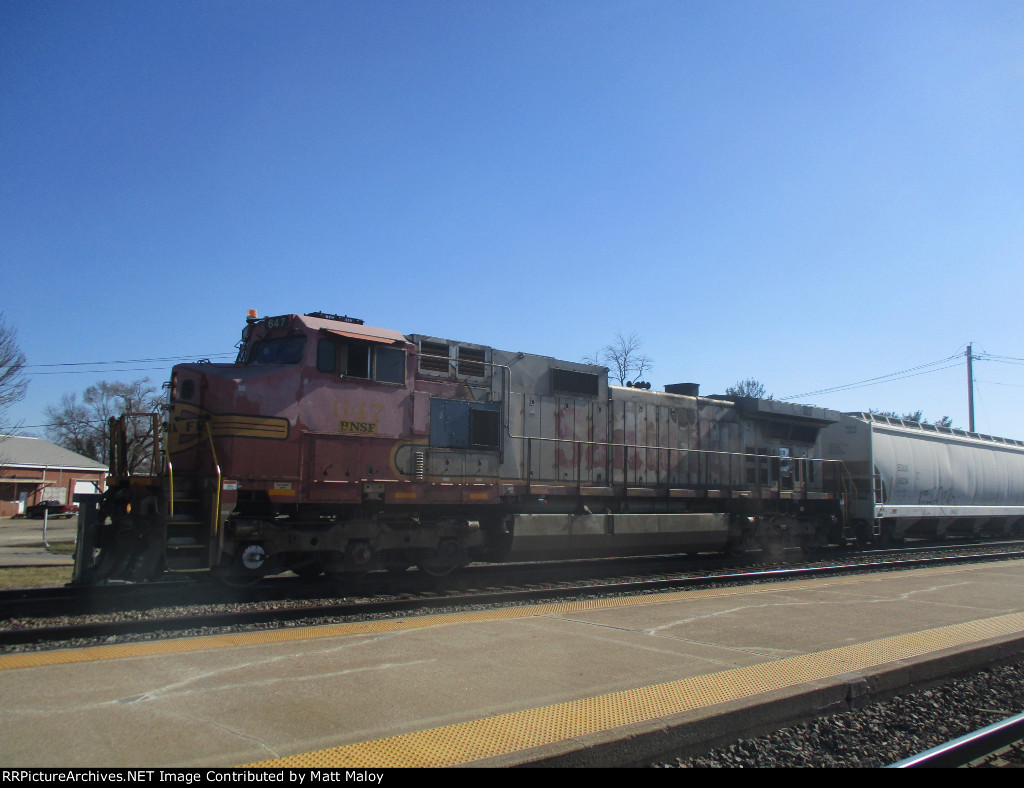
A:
x: 295, y: 432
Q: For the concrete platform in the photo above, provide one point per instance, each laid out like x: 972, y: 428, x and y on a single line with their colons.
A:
x: 585, y: 683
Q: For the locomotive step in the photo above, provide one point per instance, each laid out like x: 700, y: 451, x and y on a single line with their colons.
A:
x: 184, y: 563
x: 179, y: 542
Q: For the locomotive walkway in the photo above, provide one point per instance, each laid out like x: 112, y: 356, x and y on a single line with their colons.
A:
x: 596, y: 682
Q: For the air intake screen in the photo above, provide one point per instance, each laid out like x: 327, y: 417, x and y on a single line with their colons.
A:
x: 429, y: 351
x: 570, y: 382
x: 471, y: 362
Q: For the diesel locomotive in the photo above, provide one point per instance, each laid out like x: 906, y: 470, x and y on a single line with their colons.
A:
x: 333, y: 446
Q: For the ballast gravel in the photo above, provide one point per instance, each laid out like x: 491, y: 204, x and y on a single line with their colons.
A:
x: 880, y: 734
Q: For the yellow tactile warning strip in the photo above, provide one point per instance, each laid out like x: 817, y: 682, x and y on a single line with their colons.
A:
x: 476, y: 740
x: 202, y: 643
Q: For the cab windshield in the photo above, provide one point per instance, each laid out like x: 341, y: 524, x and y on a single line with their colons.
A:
x: 283, y: 350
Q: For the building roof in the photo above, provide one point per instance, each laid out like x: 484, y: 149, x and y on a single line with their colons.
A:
x: 18, y: 452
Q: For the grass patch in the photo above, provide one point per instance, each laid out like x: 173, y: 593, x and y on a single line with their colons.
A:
x: 61, y: 548
x: 34, y: 576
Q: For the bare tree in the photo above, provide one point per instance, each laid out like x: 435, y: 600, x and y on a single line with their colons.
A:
x: 83, y: 426
x: 748, y: 388
x: 69, y: 425
x: 623, y: 358
x: 13, y: 382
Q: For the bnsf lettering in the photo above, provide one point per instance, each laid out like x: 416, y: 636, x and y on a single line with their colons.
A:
x: 357, y: 426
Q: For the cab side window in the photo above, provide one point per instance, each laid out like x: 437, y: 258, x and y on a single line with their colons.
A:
x: 390, y: 365
x: 357, y: 360
x: 326, y: 356
x: 357, y: 365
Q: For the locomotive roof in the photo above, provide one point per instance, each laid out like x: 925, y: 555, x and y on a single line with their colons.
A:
x: 355, y: 330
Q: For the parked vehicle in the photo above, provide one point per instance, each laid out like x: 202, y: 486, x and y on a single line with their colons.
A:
x: 51, y: 509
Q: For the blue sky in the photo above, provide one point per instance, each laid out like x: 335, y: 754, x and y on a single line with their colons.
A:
x: 808, y: 193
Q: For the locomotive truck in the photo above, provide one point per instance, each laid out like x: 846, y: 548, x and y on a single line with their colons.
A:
x: 333, y: 446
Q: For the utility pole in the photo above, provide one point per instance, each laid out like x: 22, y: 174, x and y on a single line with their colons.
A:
x: 970, y: 389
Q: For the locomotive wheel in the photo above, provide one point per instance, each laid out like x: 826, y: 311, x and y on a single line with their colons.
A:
x: 775, y: 534
x: 436, y: 570
x: 449, y: 556
x: 246, y: 569
x: 815, y: 542
x: 398, y: 561
x: 773, y: 547
x: 357, y: 559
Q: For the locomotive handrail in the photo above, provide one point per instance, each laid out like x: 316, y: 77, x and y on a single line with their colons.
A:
x: 216, y: 533
x: 170, y: 467
x: 646, y: 447
x: 505, y: 386
x: 170, y: 486
x: 578, y: 446
x: 118, y: 466
x: 157, y: 442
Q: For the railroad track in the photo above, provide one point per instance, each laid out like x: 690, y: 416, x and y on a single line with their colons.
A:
x: 183, y: 590
x: 999, y: 745
x: 72, y: 600
x: 21, y: 632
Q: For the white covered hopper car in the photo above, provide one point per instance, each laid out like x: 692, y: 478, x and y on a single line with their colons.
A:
x: 921, y: 479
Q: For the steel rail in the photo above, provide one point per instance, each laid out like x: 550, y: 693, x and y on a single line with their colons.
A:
x: 967, y: 749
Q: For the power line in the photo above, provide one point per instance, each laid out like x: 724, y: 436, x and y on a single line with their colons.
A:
x: 113, y: 366
x: 101, y: 371
x: 92, y: 423
x: 126, y: 361
x: 910, y: 372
